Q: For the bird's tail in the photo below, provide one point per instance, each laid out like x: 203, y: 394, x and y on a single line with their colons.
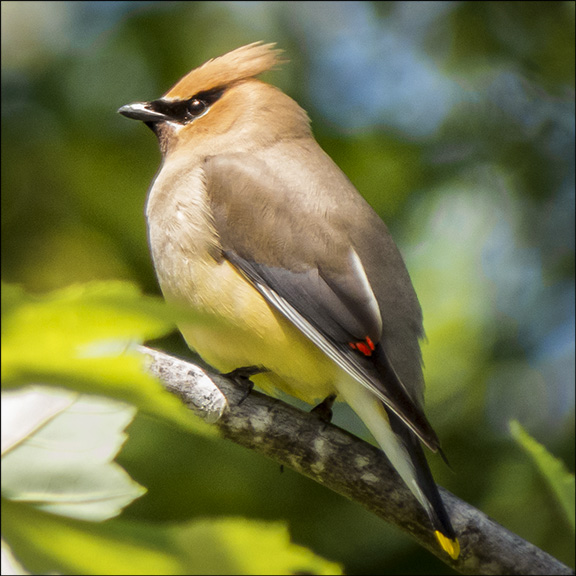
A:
x: 407, y: 457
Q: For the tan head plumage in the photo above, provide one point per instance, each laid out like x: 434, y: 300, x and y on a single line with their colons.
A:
x: 244, y: 62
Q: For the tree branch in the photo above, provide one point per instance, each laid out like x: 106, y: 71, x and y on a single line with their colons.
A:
x: 347, y: 465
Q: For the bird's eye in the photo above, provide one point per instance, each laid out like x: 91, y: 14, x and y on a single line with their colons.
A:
x: 196, y: 107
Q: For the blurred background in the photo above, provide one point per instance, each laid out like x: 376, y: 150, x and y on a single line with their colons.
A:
x: 454, y: 119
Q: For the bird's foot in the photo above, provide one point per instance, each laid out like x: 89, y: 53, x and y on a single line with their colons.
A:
x: 324, y: 409
x: 242, y: 377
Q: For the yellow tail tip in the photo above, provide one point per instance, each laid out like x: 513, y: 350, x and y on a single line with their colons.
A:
x: 451, y: 547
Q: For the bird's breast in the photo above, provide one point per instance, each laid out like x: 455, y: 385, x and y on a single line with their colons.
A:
x: 236, y: 326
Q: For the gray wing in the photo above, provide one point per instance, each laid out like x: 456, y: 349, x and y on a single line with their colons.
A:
x: 319, y: 254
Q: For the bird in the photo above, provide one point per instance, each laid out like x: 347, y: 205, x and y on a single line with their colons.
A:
x: 253, y: 225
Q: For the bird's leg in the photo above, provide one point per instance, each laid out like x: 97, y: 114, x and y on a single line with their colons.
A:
x: 324, y: 409
x: 242, y: 377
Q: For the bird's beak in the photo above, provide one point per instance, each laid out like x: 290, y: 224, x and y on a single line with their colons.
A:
x: 142, y: 111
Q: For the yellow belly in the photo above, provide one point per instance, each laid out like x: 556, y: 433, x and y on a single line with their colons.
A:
x: 247, y: 331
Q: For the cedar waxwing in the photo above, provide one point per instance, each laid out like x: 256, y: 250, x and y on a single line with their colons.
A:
x: 250, y: 221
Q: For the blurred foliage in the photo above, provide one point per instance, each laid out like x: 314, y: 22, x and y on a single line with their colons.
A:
x: 454, y: 119
x: 82, y: 336
x: 222, y: 546
x: 561, y: 482
x: 59, y: 480
x: 58, y: 450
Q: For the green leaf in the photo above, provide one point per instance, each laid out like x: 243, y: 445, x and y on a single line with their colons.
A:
x: 82, y: 338
x: 59, y: 449
x: 241, y: 546
x: 560, y: 480
x: 44, y: 542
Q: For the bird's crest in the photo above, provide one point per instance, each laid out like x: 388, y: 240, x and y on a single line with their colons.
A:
x: 244, y: 62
